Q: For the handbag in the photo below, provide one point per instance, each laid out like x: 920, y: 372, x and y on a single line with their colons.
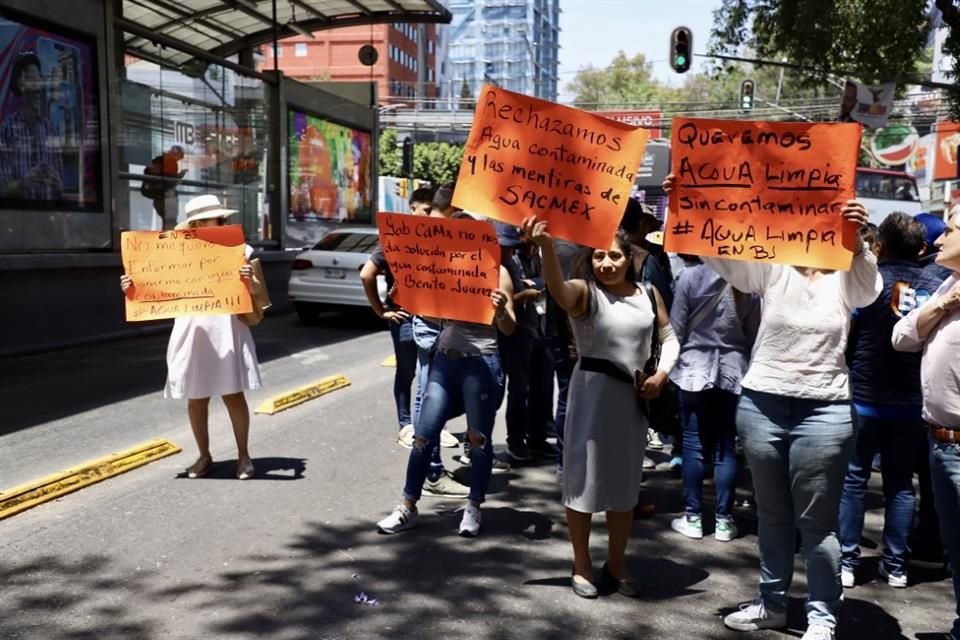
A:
x: 664, y: 411
x: 259, y: 296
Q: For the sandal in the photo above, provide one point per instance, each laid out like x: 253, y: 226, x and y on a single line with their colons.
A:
x: 200, y: 468
x: 245, y: 469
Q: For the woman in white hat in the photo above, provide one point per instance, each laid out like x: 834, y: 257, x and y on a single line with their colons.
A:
x: 211, y: 355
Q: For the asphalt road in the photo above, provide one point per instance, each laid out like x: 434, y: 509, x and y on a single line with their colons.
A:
x: 150, y: 555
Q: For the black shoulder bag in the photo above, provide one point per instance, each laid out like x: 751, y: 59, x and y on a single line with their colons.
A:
x: 664, y: 411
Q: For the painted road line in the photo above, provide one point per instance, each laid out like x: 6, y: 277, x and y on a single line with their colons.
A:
x: 391, y: 361
x: 300, y: 395
x: 26, y: 496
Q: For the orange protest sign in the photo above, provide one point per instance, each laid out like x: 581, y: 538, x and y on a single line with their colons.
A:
x: 183, y: 273
x: 767, y: 191
x: 572, y: 168
x: 443, y: 268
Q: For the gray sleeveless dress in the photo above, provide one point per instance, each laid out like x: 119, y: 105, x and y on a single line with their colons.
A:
x: 606, y: 434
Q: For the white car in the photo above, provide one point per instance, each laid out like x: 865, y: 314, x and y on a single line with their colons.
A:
x: 327, y: 277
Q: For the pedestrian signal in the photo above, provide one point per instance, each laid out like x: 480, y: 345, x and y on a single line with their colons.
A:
x: 681, y: 49
x: 747, y: 94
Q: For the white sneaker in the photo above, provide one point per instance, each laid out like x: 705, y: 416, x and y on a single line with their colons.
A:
x: 818, y: 632
x: 470, y: 523
x: 753, y: 616
x: 726, y: 530
x: 847, y: 579
x: 690, y: 526
x: 448, y: 440
x: 445, y: 486
x: 898, y: 581
x: 399, y: 519
x: 405, y: 437
x: 653, y: 440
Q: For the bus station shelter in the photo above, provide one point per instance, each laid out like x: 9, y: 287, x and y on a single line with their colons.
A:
x: 115, y: 113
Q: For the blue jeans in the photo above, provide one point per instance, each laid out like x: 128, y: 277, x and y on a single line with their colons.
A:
x: 477, y: 382
x: 896, y: 443
x: 798, y: 451
x: 563, y: 369
x: 425, y: 337
x: 405, y: 350
x: 709, y: 423
x: 945, y: 473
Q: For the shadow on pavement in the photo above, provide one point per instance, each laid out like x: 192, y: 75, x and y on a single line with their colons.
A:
x: 40, y: 388
x: 266, y: 469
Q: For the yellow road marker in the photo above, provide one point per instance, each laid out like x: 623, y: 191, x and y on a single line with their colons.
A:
x: 302, y: 394
x: 391, y: 361
x: 26, y: 496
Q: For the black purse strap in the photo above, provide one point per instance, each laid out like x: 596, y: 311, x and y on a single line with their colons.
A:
x: 600, y: 365
x: 653, y: 361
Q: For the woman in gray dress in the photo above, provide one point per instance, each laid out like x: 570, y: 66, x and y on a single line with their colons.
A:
x: 606, y: 430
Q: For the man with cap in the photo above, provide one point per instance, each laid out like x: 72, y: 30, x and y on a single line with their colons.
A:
x: 934, y: 227
x: 526, y: 355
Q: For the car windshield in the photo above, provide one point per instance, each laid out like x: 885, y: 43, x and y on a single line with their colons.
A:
x: 886, y: 186
x: 348, y: 242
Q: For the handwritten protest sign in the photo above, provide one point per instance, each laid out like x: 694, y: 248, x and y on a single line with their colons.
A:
x: 767, y: 191
x: 182, y: 273
x: 443, y: 268
x: 527, y: 156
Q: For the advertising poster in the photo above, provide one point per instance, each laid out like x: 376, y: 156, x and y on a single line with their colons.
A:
x: 331, y: 170
x: 49, y: 126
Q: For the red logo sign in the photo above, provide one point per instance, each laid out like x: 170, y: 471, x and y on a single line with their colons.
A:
x: 649, y: 120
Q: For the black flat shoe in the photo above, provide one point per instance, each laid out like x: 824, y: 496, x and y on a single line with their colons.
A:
x: 583, y: 589
x: 627, y: 586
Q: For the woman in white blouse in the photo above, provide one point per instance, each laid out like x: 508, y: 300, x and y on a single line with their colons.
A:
x: 795, y: 423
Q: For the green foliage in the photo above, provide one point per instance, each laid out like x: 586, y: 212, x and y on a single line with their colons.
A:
x: 391, y: 156
x: 624, y: 81
x: 871, y: 40
x: 438, y: 162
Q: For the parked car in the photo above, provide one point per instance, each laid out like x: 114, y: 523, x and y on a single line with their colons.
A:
x: 327, y: 277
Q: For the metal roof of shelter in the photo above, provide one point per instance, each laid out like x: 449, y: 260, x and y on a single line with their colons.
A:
x: 223, y: 27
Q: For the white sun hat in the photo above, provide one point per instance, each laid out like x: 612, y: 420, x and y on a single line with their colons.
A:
x: 204, y: 207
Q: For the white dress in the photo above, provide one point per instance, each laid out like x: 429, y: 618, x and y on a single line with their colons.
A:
x: 210, y: 356
x: 606, y: 433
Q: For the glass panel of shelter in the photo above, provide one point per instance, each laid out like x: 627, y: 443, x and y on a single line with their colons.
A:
x: 193, y: 131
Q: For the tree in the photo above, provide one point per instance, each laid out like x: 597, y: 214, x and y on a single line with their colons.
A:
x: 391, y: 158
x: 874, y: 41
x: 624, y: 81
x: 437, y: 162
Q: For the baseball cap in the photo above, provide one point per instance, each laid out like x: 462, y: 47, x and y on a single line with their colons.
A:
x: 507, y: 235
x: 934, y: 227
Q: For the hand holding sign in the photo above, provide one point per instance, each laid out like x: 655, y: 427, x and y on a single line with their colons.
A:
x: 444, y: 268
x: 573, y: 168
x: 179, y: 273
x: 772, y: 191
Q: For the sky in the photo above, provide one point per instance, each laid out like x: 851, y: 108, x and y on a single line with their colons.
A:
x: 593, y: 31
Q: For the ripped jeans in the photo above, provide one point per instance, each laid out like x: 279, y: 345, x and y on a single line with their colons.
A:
x: 474, y: 382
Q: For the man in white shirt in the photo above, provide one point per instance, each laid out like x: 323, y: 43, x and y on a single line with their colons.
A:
x: 935, y: 329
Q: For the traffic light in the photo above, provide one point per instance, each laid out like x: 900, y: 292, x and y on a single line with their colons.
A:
x: 407, y: 165
x: 681, y: 49
x: 747, y: 95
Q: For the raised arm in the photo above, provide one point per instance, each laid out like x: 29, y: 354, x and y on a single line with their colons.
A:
x: 861, y: 285
x: 571, y: 295
x: 505, y: 318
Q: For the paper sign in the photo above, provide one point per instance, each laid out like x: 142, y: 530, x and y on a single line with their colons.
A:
x: 183, y: 273
x: 948, y: 141
x: 528, y: 157
x: 870, y: 106
x: 766, y: 191
x: 443, y: 268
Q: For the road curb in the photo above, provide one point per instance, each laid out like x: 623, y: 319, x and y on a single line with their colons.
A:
x: 298, y: 396
x: 31, y: 494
